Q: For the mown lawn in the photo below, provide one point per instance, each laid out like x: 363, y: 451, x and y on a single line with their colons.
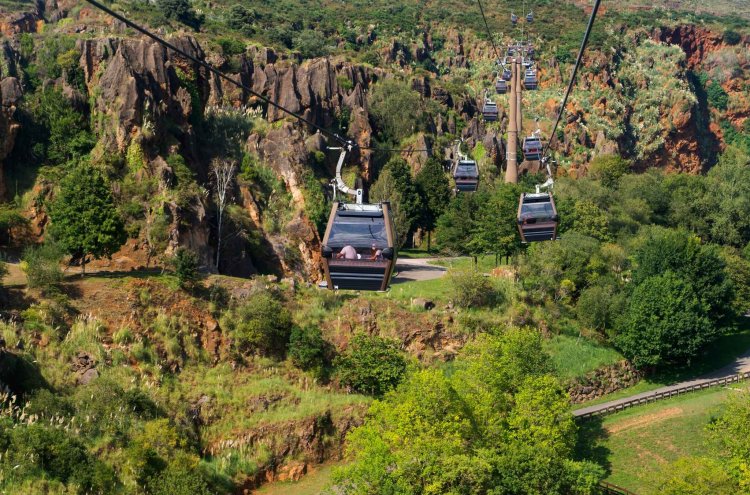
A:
x: 637, y: 444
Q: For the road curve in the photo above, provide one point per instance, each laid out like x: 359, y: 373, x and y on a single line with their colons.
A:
x: 740, y: 365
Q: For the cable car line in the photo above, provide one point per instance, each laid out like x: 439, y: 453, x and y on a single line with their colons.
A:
x: 584, y: 42
x: 489, y: 33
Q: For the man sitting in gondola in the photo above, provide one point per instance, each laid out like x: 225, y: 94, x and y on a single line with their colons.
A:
x: 348, y: 253
x: 375, y: 253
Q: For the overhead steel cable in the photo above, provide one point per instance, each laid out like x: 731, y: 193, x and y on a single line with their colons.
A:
x: 584, y: 42
x: 489, y: 33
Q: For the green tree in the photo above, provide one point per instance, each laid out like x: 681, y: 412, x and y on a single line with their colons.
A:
x: 471, y: 289
x: 84, y: 218
x: 261, y: 324
x: 456, y: 227
x: 699, y: 265
x: 371, y: 365
x: 310, y: 44
x: 182, y: 11
x: 434, y: 188
x: 495, y: 228
x: 665, y: 323
x: 242, y: 19
x: 588, y: 219
x: 608, y: 169
x: 397, y: 109
x: 65, y: 131
x: 696, y: 476
x: 729, y: 190
x: 396, y: 185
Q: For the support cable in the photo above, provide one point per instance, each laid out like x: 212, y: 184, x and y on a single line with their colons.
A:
x: 584, y: 42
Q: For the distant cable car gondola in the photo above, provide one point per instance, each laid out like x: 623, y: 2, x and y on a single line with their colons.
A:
x: 489, y: 110
x: 465, y: 172
x: 359, y: 246
x: 537, y: 217
x: 530, y: 81
x: 513, y: 19
x: 507, y: 74
x: 501, y: 86
x: 532, y: 148
x: 530, y: 17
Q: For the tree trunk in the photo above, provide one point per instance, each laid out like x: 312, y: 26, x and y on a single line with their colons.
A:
x: 429, y: 238
x: 475, y: 262
x: 83, y: 266
x: 218, y: 242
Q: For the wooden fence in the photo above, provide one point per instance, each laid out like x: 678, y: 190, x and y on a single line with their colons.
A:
x: 610, y: 489
x: 666, y: 394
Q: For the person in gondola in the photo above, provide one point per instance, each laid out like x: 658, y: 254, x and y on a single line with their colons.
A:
x: 348, y: 253
x: 375, y: 253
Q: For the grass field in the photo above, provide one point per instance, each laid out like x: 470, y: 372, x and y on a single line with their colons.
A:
x: 637, y: 444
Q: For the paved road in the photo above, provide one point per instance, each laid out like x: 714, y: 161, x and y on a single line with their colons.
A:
x: 410, y: 270
x: 740, y: 365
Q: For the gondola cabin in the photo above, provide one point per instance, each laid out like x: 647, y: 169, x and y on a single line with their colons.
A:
x: 466, y: 176
x: 529, y: 17
x: 501, y: 86
x: 532, y: 148
x: 507, y: 74
x: 513, y: 19
x: 530, y: 81
x: 359, y: 246
x: 489, y: 110
x: 537, y: 217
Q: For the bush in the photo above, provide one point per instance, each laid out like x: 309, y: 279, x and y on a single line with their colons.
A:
x: 371, y: 365
x: 471, y: 289
x: 608, y: 169
x: 665, y: 323
x: 262, y: 324
x: 310, y: 44
x: 185, y: 264
x: 182, y: 11
x: 732, y: 37
x: 717, y: 97
x: 308, y: 350
x: 599, y: 306
x: 42, y: 266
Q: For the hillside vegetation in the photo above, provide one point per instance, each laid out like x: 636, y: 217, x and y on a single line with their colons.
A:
x: 160, y: 247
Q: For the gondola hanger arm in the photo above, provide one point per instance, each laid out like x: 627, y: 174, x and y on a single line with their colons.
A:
x: 338, y: 180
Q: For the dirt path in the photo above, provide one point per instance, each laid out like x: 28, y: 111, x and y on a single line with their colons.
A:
x: 417, y: 269
x: 740, y: 365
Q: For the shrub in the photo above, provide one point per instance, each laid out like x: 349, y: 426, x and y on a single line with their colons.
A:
x: 665, y: 323
x: 471, y: 289
x: 599, y: 306
x: 310, y: 44
x: 732, y: 37
x: 308, y: 350
x: 185, y: 264
x: 182, y: 11
x: 717, y: 97
x: 42, y: 266
x: 262, y: 324
x: 371, y: 365
x: 608, y: 169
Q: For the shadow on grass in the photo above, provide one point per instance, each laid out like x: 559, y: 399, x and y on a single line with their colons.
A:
x: 590, y: 443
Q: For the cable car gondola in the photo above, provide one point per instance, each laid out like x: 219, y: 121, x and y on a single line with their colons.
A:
x: 530, y: 17
x: 530, y: 81
x: 489, y: 110
x: 532, y: 148
x: 513, y: 19
x: 537, y: 217
x: 501, y: 86
x: 359, y: 247
x: 507, y: 74
x: 466, y: 174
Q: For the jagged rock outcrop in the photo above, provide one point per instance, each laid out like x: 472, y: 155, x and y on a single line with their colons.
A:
x: 9, y: 95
